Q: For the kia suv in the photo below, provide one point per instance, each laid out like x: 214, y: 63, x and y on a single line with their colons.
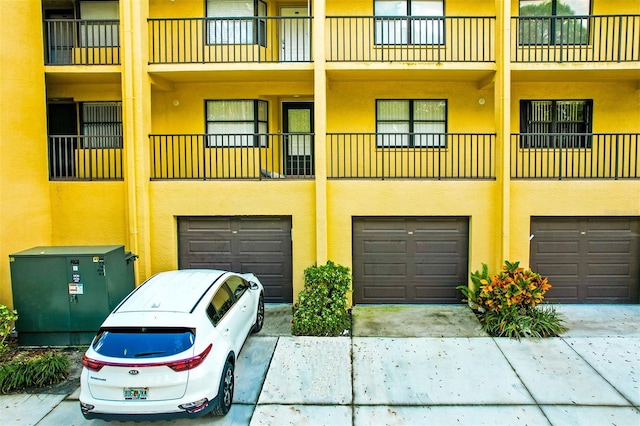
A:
x: 169, y: 349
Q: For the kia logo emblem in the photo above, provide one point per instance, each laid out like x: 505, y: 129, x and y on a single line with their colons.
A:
x: 133, y: 372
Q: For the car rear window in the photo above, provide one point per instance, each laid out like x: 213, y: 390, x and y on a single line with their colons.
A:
x: 143, y: 342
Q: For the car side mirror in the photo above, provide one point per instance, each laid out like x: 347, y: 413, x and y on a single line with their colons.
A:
x: 253, y: 285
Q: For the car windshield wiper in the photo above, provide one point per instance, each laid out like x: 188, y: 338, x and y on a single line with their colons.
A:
x: 141, y: 354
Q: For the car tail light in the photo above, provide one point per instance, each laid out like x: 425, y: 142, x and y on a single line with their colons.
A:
x: 189, y: 363
x: 92, y: 364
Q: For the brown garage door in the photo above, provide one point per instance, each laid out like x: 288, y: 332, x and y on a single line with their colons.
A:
x: 587, y: 259
x: 409, y: 259
x: 258, y: 244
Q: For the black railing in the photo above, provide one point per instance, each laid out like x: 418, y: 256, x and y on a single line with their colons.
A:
x: 604, y: 38
x: 411, y: 39
x: 256, y: 156
x: 413, y: 156
x: 229, y: 40
x: 575, y: 156
x: 85, y: 157
x: 81, y: 42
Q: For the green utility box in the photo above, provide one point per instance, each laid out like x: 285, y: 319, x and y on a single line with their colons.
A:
x: 63, y: 294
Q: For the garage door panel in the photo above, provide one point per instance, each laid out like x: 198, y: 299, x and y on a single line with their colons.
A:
x: 409, y: 259
x: 558, y: 269
x: 388, y: 270
x: 437, y: 247
x: 440, y: 294
x: 562, y: 247
x: 608, y: 270
x: 205, y: 224
x: 609, y: 247
x: 394, y: 247
x: 603, y: 267
x: 435, y: 270
x: 388, y: 294
x: 218, y: 247
x: 261, y: 247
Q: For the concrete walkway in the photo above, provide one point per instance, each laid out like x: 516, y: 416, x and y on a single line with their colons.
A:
x: 418, y: 365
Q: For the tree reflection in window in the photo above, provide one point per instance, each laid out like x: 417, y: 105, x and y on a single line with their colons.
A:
x: 554, y: 22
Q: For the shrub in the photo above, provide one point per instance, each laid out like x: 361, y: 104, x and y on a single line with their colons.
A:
x: 507, y: 303
x: 38, y: 370
x: 322, y: 308
x: 7, y: 318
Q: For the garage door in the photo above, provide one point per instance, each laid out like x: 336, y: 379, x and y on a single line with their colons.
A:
x: 588, y: 259
x: 258, y: 244
x: 409, y: 259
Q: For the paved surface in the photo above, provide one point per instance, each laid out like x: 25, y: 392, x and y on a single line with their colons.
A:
x: 418, y: 365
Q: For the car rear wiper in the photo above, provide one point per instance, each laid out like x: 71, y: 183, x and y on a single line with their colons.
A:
x: 141, y: 354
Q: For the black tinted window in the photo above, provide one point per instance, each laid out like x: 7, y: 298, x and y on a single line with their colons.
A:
x: 143, y: 342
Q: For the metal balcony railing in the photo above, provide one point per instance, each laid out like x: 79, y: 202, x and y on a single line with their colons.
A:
x: 247, y: 156
x: 411, y: 39
x: 81, y: 42
x: 575, y: 156
x: 85, y: 157
x: 411, y: 156
x: 229, y: 40
x: 603, y: 38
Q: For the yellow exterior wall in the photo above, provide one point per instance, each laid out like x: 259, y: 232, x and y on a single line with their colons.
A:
x: 25, y: 208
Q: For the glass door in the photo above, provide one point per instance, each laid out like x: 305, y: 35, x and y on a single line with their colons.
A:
x: 298, y: 138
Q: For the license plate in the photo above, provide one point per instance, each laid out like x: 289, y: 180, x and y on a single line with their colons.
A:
x: 135, y: 393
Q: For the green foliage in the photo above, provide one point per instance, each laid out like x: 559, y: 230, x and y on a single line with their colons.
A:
x: 7, y: 318
x: 513, y: 322
x: 322, y: 308
x: 507, y: 303
x: 41, y: 370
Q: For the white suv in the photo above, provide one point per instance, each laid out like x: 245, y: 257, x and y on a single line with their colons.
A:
x: 169, y: 349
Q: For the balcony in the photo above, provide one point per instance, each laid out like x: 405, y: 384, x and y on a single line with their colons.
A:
x: 411, y: 39
x: 603, y: 38
x: 411, y: 156
x: 575, y: 156
x: 230, y: 40
x: 208, y: 157
x: 81, y: 42
x: 85, y: 158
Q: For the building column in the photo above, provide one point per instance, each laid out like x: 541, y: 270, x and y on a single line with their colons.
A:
x: 136, y: 103
x: 320, y: 130
x: 503, y: 122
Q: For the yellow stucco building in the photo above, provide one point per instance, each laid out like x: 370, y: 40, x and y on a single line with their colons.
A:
x: 411, y: 140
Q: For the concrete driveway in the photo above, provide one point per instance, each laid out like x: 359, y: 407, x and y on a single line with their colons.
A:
x: 418, y: 365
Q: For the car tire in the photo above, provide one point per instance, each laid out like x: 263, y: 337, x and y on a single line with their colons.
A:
x: 225, y: 391
x: 257, y: 326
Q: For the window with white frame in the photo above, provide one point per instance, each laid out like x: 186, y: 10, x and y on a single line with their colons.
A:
x: 99, y: 25
x: 237, y: 123
x: 237, y: 22
x: 409, y: 22
x: 551, y: 22
x: 101, y: 124
x: 556, y: 123
x: 405, y: 123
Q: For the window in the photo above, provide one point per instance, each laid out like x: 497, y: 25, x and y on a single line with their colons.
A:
x: 237, y: 22
x: 555, y: 123
x: 99, y: 25
x: 237, y: 123
x: 411, y: 123
x: 220, y: 304
x: 143, y: 342
x: 409, y: 21
x: 102, y: 124
x: 550, y: 22
x: 238, y: 286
